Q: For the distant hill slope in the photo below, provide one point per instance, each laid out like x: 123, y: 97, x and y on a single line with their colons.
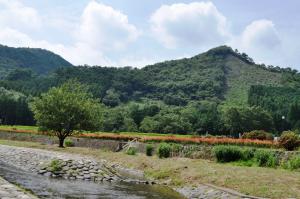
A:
x: 220, y: 74
x: 38, y: 60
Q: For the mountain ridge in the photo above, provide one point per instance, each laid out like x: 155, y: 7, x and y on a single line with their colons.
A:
x: 220, y: 74
x: 38, y: 60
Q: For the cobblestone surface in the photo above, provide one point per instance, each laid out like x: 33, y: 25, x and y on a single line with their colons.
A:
x: 9, y: 191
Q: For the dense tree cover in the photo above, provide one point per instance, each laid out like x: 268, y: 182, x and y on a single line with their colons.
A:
x: 239, y: 120
x: 281, y: 102
x: 38, y: 60
x: 199, y: 95
x: 14, y: 108
x: 65, y: 109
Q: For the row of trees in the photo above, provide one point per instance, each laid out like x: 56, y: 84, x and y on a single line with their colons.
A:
x: 71, y: 106
x: 203, y: 117
x: 14, y: 108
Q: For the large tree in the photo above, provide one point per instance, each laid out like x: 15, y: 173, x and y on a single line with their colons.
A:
x: 65, y: 109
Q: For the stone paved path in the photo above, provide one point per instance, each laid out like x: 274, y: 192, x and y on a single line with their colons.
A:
x: 29, y: 159
x: 9, y: 191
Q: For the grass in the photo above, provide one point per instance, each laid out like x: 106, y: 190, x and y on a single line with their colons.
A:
x: 263, y: 182
x: 19, y: 127
x: 135, y: 134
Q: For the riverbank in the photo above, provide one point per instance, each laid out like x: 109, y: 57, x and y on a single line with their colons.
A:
x: 192, y: 174
x: 10, y: 191
x: 30, y: 160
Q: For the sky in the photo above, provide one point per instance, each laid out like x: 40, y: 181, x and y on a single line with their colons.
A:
x: 141, y: 32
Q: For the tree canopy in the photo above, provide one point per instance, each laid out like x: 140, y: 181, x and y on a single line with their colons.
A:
x: 67, y: 108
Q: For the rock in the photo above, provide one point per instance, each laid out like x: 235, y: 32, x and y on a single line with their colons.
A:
x: 87, y: 176
x: 85, y: 169
x: 47, y: 174
x: 66, y: 168
x: 42, y: 171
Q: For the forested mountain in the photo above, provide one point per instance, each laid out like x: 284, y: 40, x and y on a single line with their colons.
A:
x: 201, y: 94
x: 38, y: 60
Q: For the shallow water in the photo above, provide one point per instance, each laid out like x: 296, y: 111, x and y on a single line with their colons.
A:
x: 45, y: 187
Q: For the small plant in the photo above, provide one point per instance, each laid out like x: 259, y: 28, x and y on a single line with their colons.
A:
x: 164, y: 150
x: 293, y: 163
x: 265, y: 158
x: 55, y: 165
x: 131, y: 151
x: 289, y: 140
x: 228, y: 153
x: 149, y: 149
x: 69, y: 143
x: 258, y: 135
x: 248, y: 153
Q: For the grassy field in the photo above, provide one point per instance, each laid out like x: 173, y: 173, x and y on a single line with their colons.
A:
x: 263, y: 182
x: 138, y: 134
x: 18, y: 127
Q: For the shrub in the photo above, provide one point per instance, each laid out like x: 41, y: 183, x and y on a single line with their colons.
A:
x: 55, y: 165
x: 176, y: 148
x: 149, y: 149
x: 265, y: 158
x: 164, y: 150
x: 289, y: 140
x: 228, y: 153
x: 293, y: 163
x: 131, y: 151
x: 258, y: 135
x: 248, y: 153
x: 69, y: 143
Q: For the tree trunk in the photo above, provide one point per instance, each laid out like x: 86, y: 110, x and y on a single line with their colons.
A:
x: 61, y: 141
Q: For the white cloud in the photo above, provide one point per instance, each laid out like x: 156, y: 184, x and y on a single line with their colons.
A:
x: 16, y: 15
x: 196, y: 24
x: 80, y: 53
x: 100, y: 34
x: 260, y: 34
x: 105, y: 28
x: 101, y: 28
x: 260, y: 40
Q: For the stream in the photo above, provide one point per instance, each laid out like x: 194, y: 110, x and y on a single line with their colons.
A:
x: 44, y: 187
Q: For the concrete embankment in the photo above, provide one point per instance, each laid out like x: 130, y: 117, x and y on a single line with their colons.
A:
x: 10, y: 191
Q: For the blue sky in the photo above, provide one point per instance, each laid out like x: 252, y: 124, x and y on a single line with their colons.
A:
x: 140, y: 32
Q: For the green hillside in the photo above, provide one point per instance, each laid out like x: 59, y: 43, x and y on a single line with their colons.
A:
x: 220, y: 75
x: 241, y: 76
x: 38, y: 60
x: 206, y: 93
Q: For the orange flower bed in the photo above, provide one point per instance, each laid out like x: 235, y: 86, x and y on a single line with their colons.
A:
x: 213, y: 141
x: 198, y: 140
x: 174, y: 139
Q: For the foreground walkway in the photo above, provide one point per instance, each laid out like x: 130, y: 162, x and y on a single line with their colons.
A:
x: 10, y: 191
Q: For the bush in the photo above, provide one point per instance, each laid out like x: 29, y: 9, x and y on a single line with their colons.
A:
x: 164, y: 150
x: 293, y: 163
x: 248, y: 153
x: 265, y: 158
x: 131, y: 151
x: 228, y: 153
x: 69, y: 143
x: 149, y: 149
x: 289, y: 140
x: 55, y: 165
x: 258, y: 135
